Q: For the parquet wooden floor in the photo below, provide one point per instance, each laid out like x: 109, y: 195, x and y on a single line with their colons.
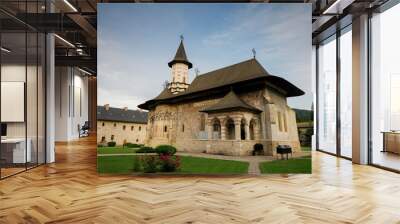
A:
x: 70, y: 191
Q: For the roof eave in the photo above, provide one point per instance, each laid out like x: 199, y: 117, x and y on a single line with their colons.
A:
x: 180, y: 61
x: 233, y: 109
x: 123, y: 121
x: 290, y: 89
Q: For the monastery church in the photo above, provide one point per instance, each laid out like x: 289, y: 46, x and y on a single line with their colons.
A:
x: 226, y: 111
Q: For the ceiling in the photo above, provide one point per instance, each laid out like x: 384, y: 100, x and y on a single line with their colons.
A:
x: 75, y: 22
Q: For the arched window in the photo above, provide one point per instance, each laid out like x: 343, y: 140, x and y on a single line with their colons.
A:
x: 165, y: 128
x: 123, y: 127
x: 103, y: 138
x: 137, y: 140
x: 102, y: 124
x: 115, y: 124
x: 140, y: 128
x: 112, y: 137
x: 183, y: 128
x: 131, y: 128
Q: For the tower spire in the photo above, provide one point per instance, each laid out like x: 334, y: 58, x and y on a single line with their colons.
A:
x: 180, y: 66
x: 180, y: 56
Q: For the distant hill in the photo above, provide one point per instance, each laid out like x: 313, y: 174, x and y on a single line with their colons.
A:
x: 303, y: 115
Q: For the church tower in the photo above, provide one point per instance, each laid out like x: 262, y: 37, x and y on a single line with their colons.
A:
x: 180, y: 66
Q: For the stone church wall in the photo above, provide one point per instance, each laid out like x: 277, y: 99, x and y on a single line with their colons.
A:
x: 281, y: 113
x: 133, y: 132
x: 183, y: 126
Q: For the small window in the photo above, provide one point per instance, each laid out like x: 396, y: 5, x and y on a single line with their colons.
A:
x: 102, y: 124
x: 131, y: 128
x: 115, y: 124
x: 183, y: 128
x: 285, y: 122
x: 202, y: 122
x: 123, y: 127
x: 103, y: 138
x: 280, y: 121
x: 112, y: 137
x: 140, y: 128
x: 137, y: 140
x: 165, y: 129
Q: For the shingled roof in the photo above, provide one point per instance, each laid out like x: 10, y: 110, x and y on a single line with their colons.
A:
x: 121, y: 115
x: 230, y: 102
x: 180, y: 56
x: 228, y: 76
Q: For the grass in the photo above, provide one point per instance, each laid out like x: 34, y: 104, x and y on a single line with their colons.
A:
x: 115, y: 164
x: 296, y: 165
x: 189, y: 165
x: 198, y: 165
x: 117, y: 149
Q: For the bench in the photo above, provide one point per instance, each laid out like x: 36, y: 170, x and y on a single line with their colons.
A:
x: 284, y: 149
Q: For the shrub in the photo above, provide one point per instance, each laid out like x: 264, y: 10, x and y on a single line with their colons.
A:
x: 100, y: 145
x: 258, y: 149
x: 150, y: 163
x: 136, y: 164
x: 111, y: 144
x: 146, y: 149
x: 131, y: 145
x: 165, y: 150
x: 169, y: 163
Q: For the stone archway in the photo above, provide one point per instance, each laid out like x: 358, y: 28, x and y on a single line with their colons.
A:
x: 230, y: 129
x: 216, y: 129
x: 243, y: 129
x: 252, y: 127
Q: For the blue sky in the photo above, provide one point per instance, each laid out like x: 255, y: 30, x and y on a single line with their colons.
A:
x: 136, y: 41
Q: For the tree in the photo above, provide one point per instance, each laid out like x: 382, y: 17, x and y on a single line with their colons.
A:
x: 165, y: 84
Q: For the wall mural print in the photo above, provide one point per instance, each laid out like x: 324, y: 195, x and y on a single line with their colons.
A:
x: 204, y: 89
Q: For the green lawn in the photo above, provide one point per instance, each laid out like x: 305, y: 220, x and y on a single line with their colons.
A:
x: 117, y: 149
x: 199, y: 165
x: 306, y: 148
x: 296, y: 165
x: 115, y: 164
x: 189, y: 165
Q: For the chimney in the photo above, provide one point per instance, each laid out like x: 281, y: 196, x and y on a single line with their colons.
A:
x: 107, y: 106
x: 125, y: 108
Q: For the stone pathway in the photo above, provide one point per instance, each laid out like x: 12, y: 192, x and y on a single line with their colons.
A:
x: 253, y: 161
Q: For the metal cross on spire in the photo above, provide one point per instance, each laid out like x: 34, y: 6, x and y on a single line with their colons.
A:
x: 254, y: 52
x: 181, y: 36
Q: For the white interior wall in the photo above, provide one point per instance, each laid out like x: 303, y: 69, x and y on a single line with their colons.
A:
x: 16, y: 73
x: 314, y: 94
x: 71, y: 94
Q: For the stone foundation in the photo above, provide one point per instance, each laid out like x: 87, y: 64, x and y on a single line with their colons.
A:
x: 232, y: 147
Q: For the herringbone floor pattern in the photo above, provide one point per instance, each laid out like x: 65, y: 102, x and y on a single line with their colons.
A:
x: 70, y: 191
